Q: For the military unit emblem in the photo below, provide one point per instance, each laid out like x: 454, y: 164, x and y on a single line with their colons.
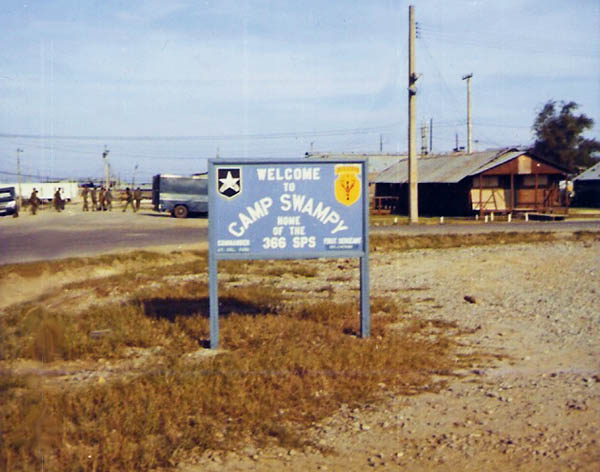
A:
x: 229, y: 181
x: 347, y: 184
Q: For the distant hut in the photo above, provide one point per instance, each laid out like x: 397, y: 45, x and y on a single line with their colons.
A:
x: 504, y: 181
x: 587, y: 187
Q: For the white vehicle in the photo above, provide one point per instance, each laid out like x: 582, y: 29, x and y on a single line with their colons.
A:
x: 8, y: 202
x: 69, y: 190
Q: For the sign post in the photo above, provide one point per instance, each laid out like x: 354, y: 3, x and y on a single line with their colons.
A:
x: 287, y: 209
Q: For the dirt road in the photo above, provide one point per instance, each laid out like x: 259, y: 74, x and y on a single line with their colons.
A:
x: 71, y: 233
x: 50, y: 235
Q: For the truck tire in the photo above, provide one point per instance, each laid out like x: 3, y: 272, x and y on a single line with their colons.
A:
x: 180, y: 211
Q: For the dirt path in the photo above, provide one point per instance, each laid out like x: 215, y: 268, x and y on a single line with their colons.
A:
x: 538, y: 408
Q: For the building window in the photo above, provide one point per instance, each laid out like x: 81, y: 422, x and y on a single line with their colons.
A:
x: 487, y: 181
x: 529, y: 180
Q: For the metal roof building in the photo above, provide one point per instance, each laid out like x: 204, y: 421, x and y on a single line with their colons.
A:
x: 587, y: 187
x: 446, y: 168
x: 501, y: 181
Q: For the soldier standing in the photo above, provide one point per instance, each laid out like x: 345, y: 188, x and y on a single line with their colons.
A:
x: 128, y: 199
x: 34, y: 201
x: 57, y: 200
x: 84, y: 194
x: 108, y: 199
x: 137, y: 196
x: 94, y: 199
x: 102, y: 199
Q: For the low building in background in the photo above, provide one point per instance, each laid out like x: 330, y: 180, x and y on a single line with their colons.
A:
x: 460, y: 184
x: 586, y: 187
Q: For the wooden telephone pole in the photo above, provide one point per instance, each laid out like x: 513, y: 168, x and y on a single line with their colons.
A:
x: 412, y: 125
x: 20, y: 197
x: 106, y: 167
x: 469, y: 139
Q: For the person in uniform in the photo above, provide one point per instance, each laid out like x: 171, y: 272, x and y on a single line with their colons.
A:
x: 57, y: 200
x: 94, y: 199
x: 128, y: 199
x: 34, y: 201
x: 84, y: 194
x: 108, y: 199
x: 102, y: 199
x: 137, y: 196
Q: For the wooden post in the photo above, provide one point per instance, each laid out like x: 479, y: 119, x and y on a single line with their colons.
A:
x: 536, y: 191
x: 480, y: 196
x: 512, y: 192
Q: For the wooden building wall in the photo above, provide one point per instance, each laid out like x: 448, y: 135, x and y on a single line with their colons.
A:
x: 587, y: 193
x: 522, y: 184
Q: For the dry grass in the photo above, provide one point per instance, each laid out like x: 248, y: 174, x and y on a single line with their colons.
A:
x: 391, y: 242
x: 287, y: 362
x: 291, y: 356
x: 35, y: 269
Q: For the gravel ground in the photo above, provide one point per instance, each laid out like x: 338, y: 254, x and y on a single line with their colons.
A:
x: 537, y: 407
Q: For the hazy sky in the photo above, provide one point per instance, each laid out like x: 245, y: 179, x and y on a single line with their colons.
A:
x: 165, y: 84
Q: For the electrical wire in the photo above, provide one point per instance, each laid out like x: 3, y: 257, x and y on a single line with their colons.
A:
x: 507, y: 42
x: 282, y: 135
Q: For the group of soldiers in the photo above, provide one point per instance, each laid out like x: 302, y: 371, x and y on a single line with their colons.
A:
x: 57, y: 200
x: 101, y: 199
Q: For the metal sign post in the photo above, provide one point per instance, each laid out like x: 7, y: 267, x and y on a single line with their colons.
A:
x: 287, y: 209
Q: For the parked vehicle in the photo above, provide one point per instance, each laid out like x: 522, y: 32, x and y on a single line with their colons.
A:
x: 69, y: 190
x: 180, y: 195
x: 8, y: 202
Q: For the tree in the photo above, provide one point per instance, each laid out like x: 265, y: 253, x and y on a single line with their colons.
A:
x: 559, y: 136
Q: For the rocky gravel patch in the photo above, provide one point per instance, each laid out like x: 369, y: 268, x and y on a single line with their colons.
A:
x: 534, y: 405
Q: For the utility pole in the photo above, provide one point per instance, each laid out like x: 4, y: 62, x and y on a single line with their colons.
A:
x: 20, y: 199
x: 106, y: 167
x: 423, y: 139
x: 380, y: 143
x: 469, y: 139
x: 412, y: 128
x: 430, y: 135
x: 133, y: 177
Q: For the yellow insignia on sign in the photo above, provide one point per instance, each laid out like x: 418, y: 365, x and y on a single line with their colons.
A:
x: 347, y: 184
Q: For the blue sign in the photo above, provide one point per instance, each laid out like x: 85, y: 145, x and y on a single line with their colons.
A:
x: 290, y: 209
x: 270, y: 209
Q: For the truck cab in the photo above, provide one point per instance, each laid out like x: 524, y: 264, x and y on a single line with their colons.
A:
x: 8, y: 202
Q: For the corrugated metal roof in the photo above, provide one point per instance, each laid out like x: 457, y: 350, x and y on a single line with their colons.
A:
x: 447, y: 168
x: 593, y: 173
x: 376, y: 162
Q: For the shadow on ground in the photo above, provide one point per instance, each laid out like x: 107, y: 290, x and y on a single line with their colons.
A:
x: 170, y: 308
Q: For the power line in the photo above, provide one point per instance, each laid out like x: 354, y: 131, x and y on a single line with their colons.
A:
x: 504, y: 43
x: 33, y: 176
x: 282, y: 135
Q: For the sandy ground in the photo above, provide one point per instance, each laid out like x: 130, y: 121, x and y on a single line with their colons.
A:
x: 537, y: 408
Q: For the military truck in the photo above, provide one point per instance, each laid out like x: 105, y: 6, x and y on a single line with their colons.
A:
x: 180, y: 195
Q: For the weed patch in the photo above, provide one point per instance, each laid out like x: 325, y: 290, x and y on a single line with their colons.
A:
x: 393, y: 242
x: 286, y: 362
